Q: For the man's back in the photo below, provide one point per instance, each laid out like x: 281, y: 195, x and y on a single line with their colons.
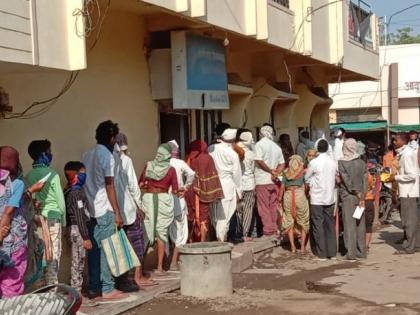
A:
x: 270, y: 153
x: 99, y: 163
x: 321, y: 175
x: 408, y: 175
x: 228, y: 168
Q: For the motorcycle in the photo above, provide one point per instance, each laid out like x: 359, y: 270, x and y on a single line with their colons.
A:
x: 59, y: 299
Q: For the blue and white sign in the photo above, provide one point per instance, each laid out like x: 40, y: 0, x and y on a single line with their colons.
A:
x: 199, y: 79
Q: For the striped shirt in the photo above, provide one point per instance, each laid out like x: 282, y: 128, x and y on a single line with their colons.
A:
x: 78, y: 211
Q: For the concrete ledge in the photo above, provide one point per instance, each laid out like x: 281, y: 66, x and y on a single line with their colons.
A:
x: 243, y: 254
x: 242, y: 259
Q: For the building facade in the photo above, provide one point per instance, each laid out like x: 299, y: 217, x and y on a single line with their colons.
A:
x: 66, y: 67
x: 394, y: 98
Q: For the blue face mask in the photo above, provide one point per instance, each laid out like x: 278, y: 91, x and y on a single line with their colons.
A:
x: 81, y: 180
x: 45, y: 159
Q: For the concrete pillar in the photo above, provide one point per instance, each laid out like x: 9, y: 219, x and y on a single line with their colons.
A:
x: 393, y: 93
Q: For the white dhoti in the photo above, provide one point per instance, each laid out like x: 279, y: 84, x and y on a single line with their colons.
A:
x: 222, y: 212
x: 178, y: 230
x: 228, y: 168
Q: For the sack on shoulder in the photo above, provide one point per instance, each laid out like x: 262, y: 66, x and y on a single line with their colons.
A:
x: 119, y: 253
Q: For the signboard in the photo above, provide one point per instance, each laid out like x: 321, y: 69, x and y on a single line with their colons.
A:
x: 407, y: 57
x: 199, y: 78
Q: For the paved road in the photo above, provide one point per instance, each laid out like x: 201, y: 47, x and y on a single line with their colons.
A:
x: 282, y: 283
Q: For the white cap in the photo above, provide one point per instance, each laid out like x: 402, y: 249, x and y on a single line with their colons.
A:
x: 174, y: 145
x: 229, y: 134
x: 246, y: 137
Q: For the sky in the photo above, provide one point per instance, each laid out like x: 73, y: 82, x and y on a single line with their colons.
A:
x: 410, y: 18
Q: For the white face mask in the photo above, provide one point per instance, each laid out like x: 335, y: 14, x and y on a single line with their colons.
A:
x: 117, y: 148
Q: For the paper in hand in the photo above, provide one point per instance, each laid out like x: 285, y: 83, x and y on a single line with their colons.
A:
x: 358, y: 213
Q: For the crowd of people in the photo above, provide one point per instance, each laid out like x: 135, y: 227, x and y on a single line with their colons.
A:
x: 234, y: 189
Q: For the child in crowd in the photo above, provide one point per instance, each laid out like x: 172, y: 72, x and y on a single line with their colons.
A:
x: 78, y: 219
x: 370, y: 198
x: 51, y: 201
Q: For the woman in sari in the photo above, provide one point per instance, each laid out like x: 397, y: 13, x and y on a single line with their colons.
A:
x: 295, y: 203
x: 13, y: 227
x: 205, y: 190
x: 158, y: 182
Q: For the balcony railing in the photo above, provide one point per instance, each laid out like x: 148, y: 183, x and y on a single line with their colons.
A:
x: 284, y: 3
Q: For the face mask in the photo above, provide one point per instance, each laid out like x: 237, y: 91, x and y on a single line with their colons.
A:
x: 81, y: 179
x: 45, y: 159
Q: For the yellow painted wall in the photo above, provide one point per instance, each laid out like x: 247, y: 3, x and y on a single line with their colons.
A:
x: 114, y: 86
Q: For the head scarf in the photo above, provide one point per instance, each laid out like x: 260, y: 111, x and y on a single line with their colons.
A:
x: 9, y: 161
x: 267, y: 132
x: 329, y: 151
x: 4, y: 175
x: 206, y: 184
x: 229, y: 134
x: 121, y: 140
x: 310, y: 151
x: 175, y: 149
x: 361, y: 148
x: 158, y: 168
x: 350, y: 150
x: 196, y: 148
x: 295, y: 168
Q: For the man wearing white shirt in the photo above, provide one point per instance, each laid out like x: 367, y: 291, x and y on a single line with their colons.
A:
x: 269, y: 164
x: 105, y: 212
x: 408, y: 187
x: 340, y: 136
x: 321, y: 178
x: 228, y: 167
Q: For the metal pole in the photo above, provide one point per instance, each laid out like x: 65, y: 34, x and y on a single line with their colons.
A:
x: 386, y: 31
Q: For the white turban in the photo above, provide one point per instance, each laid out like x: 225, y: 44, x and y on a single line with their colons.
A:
x: 246, y: 138
x: 267, y: 132
x: 229, y: 134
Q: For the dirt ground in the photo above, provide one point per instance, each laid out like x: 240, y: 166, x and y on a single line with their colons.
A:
x: 282, y: 283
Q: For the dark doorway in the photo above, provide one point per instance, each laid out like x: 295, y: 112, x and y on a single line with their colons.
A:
x: 175, y: 126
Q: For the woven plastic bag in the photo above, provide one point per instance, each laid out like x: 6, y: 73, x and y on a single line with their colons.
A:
x: 119, y: 253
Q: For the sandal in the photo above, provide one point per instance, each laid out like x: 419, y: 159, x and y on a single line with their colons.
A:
x: 114, y: 296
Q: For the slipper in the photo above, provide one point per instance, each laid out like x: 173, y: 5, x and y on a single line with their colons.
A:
x: 113, y: 296
x: 174, y: 267
x: 159, y: 273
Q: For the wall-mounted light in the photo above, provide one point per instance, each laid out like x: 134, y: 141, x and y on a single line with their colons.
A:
x: 226, y: 40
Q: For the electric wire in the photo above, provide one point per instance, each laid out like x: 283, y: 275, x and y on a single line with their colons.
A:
x: 48, y: 103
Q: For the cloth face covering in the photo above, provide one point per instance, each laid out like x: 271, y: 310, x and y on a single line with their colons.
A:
x: 158, y: 168
x: 44, y: 159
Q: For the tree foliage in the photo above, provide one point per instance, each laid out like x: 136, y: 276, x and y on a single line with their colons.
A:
x: 402, y: 37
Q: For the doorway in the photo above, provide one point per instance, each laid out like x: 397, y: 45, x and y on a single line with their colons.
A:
x: 174, y: 126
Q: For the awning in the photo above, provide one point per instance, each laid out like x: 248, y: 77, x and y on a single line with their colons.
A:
x: 404, y: 128
x: 361, y: 126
